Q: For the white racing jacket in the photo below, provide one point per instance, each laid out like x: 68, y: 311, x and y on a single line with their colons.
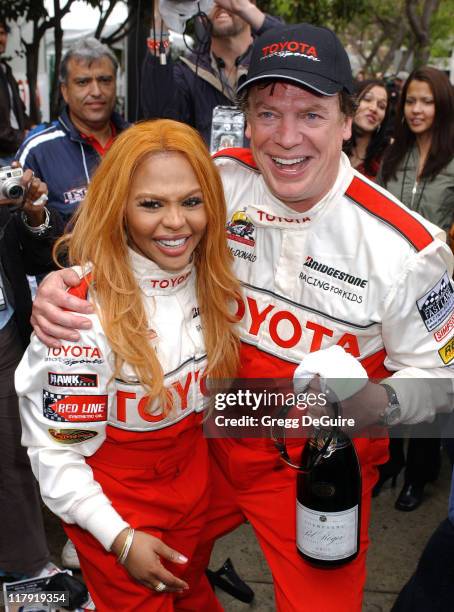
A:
x: 69, y: 403
x: 358, y: 270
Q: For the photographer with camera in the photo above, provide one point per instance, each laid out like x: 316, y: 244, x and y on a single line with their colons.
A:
x: 14, y: 121
x: 189, y: 89
x: 27, y: 232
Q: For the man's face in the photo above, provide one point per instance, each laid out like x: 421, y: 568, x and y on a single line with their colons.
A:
x: 224, y: 23
x: 90, y: 91
x: 296, y: 139
x: 3, y: 39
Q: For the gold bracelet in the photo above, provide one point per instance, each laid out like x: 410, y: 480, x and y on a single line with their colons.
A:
x: 126, y: 546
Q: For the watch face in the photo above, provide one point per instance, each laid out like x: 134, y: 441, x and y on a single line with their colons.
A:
x: 392, y: 416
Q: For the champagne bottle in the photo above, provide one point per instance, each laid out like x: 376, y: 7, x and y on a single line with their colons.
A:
x: 328, y: 500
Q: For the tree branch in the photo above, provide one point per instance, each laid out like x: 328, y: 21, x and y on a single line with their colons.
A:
x: 122, y: 30
x: 375, y: 47
x: 103, y: 18
x: 430, y: 7
x: 395, y: 44
x: 413, y: 18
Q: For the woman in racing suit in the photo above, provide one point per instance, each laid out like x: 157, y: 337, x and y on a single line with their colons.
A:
x: 112, y: 421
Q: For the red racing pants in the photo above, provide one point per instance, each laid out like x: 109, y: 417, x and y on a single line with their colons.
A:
x: 249, y: 482
x: 163, y: 491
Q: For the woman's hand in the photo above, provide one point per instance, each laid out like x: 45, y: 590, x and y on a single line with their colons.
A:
x: 144, y: 561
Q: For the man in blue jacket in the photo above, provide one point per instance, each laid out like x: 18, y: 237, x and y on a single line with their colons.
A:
x: 66, y: 154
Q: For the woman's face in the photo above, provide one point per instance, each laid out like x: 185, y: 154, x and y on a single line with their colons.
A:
x: 419, y: 107
x: 372, y: 109
x: 165, y: 212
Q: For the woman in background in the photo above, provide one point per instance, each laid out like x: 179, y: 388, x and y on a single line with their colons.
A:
x: 418, y: 168
x: 113, y: 421
x: 369, y: 129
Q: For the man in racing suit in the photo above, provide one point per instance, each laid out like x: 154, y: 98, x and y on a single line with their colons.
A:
x: 328, y: 259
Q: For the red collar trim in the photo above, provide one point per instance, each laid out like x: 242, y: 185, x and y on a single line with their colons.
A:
x: 94, y: 142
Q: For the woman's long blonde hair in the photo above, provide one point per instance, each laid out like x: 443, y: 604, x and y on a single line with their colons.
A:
x: 99, y: 238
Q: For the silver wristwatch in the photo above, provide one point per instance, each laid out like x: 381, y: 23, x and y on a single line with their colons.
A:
x: 392, y: 413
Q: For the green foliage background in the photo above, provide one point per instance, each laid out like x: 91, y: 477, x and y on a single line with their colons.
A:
x: 442, y: 30
x: 333, y: 13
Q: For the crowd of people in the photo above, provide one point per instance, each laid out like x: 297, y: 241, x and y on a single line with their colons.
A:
x: 158, y: 298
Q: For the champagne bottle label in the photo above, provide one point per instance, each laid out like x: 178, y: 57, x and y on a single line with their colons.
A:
x: 326, y: 536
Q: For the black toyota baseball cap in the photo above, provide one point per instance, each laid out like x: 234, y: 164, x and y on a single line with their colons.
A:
x: 304, y: 54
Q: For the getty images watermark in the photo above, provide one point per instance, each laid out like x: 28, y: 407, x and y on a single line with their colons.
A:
x: 251, y: 407
x: 246, y: 412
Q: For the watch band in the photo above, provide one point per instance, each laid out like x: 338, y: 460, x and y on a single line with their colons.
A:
x: 391, y: 414
x: 39, y: 229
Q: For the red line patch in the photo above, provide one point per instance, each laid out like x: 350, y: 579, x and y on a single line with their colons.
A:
x: 74, y: 408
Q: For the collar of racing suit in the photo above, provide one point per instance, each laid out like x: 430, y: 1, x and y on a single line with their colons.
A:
x: 281, y: 213
x: 153, y: 280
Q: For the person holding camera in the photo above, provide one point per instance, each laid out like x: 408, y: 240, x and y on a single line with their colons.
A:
x: 27, y: 232
x: 66, y: 154
x: 189, y: 89
x: 14, y: 121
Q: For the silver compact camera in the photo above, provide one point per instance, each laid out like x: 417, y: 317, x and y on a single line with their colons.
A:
x: 10, y: 183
